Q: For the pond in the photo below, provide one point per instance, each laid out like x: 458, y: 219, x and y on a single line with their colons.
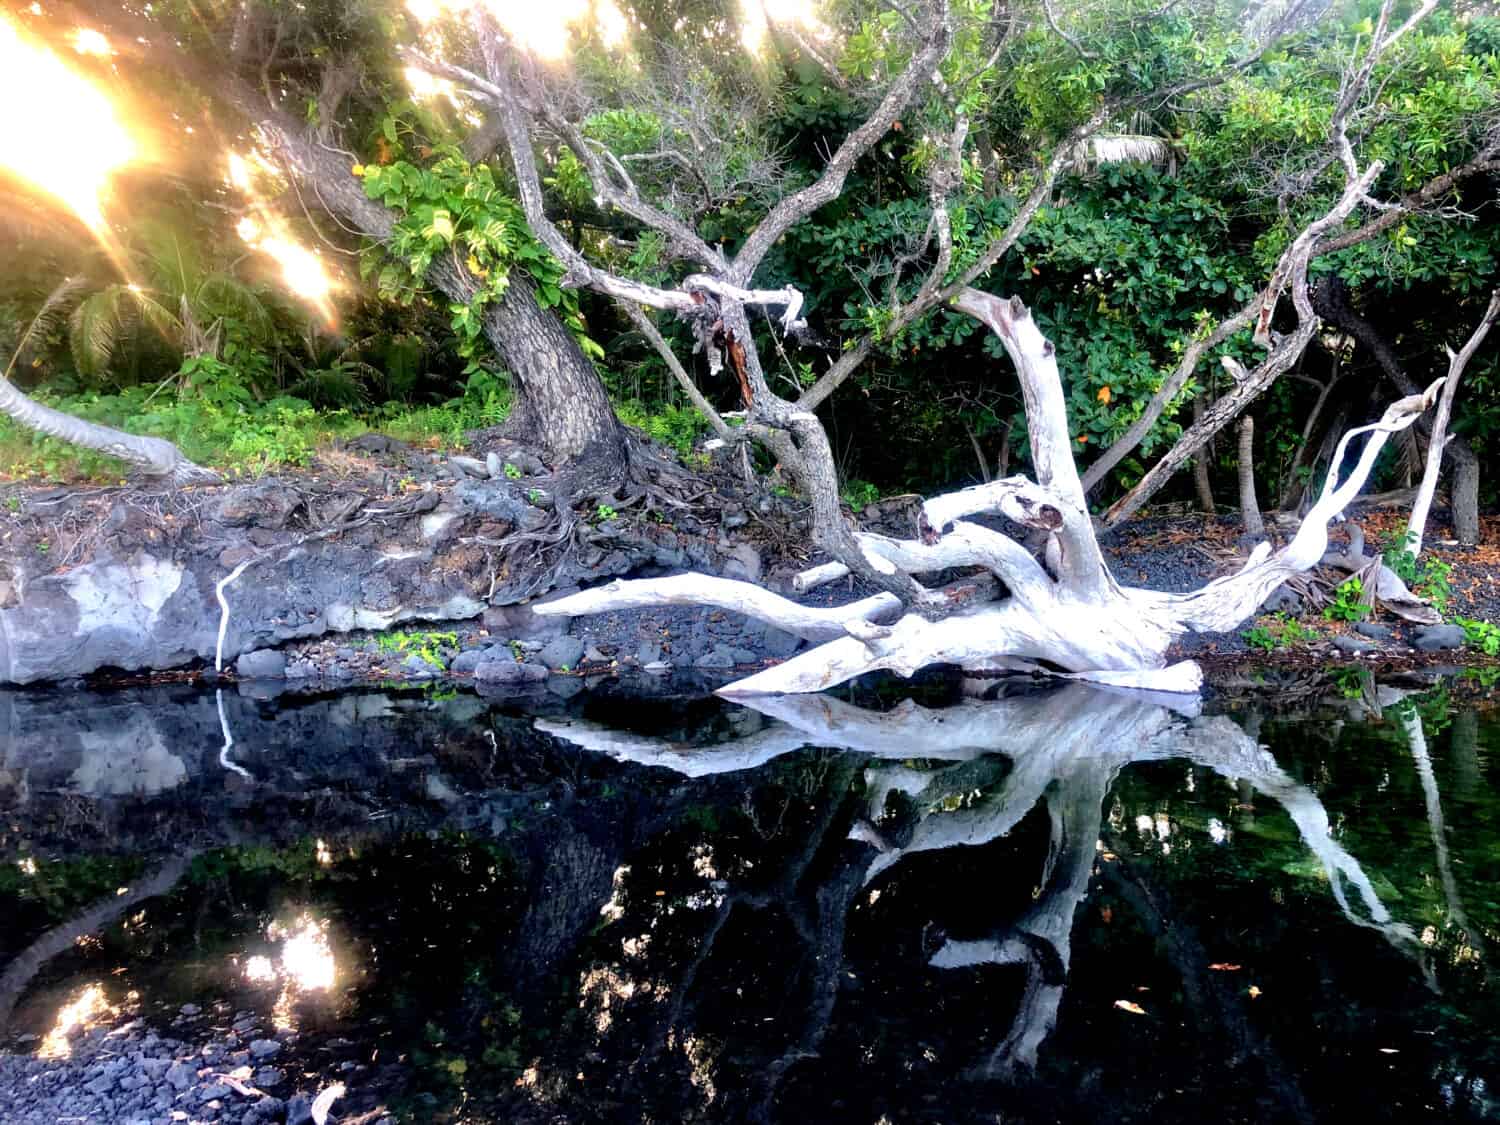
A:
x: 1044, y: 905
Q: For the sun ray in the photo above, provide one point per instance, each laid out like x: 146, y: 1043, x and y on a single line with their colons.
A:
x: 69, y: 141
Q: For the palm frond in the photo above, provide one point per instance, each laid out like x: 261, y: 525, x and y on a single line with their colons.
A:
x: 170, y: 259
x: 49, y: 316
x: 95, y: 327
x: 331, y: 387
x: 157, y: 315
x: 225, y: 296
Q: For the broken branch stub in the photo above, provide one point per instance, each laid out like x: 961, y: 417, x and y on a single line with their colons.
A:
x: 1068, y: 616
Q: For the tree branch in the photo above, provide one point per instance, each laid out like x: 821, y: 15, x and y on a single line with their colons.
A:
x: 826, y: 188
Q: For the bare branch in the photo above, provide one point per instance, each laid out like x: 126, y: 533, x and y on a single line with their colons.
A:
x: 797, y: 206
x: 649, y: 330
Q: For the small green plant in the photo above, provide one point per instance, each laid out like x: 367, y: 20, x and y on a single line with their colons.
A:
x: 428, y: 646
x: 535, y: 496
x: 1402, y: 563
x: 1483, y: 635
x: 13, y: 503
x: 859, y: 494
x: 516, y: 650
x: 604, y: 514
x: 1347, y: 604
x: 43, y: 547
x: 512, y: 472
x: 1428, y: 578
x: 1433, y: 583
x: 1277, y: 632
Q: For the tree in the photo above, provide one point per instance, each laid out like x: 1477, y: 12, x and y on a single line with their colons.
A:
x: 153, y: 456
x: 288, y: 74
x: 1064, y: 610
x: 177, y: 298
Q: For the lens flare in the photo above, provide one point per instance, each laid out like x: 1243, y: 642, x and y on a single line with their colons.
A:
x: 302, y: 270
x: 756, y: 17
x: 545, y: 30
x: 87, y: 41
x: 68, y: 140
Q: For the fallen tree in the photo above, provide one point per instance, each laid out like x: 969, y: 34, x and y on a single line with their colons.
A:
x: 1061, y: 613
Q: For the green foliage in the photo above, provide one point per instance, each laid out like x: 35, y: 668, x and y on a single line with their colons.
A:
x: 213, y: 420
x: 456, y: 209
x: 428, y: 646
x: 1483, y: 635
x: 604, y: 513
x: 1278, y: 631
x: 1346, y: 604
x: 1430, y: 578
x: 859, y: 494
x: 677, y: 427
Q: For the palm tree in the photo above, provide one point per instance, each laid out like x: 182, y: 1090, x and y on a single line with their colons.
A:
x: 153, y: 456
x: 186, y: 303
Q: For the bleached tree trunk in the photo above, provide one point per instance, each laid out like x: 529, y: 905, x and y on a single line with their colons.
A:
x: 1416, y: 526
x: 153, y: 456
x: 1065, y: 611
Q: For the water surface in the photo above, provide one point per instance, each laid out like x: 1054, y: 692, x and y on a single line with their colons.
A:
x: 1048, y: 906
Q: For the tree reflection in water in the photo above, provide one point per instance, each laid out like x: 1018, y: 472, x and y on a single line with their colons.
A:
x: 967, y: 776
x: 811, y: 910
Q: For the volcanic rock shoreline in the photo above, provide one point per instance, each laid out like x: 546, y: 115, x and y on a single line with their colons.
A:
x: 317, y: 569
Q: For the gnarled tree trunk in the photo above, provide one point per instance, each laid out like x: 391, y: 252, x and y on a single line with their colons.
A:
x: 560, y: 402
x: 1063, y: 612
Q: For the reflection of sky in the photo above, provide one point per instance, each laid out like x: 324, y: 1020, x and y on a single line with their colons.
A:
x: 89, y: 1007
x: 304, y: 963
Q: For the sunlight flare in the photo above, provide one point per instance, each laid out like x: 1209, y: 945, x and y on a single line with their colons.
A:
x: 545, y: 30
x: 69, y: 140
x: 757, y: 16
x: 303, y: 271
x: 87, y: 41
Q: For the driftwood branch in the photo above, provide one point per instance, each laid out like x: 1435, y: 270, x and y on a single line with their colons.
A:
x: 1457, y: 362
x: 1069, y: 614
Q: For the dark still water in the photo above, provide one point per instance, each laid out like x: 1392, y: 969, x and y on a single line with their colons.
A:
x: 1050, y: 906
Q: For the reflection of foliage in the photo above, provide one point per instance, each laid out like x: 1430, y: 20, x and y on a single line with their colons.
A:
x: 38, y: 893
x: 1434, y: 707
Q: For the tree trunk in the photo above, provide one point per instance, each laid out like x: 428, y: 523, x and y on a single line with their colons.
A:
x: 1331, y: 300
x: 1201, y: 480
x: 560, y: 400
x: 156, y: 457
x: 1464, y: 488
x: 1249, y: 505
x: 560, y: 403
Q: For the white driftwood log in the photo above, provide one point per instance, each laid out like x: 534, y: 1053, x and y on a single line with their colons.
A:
x: 1063, y: 612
